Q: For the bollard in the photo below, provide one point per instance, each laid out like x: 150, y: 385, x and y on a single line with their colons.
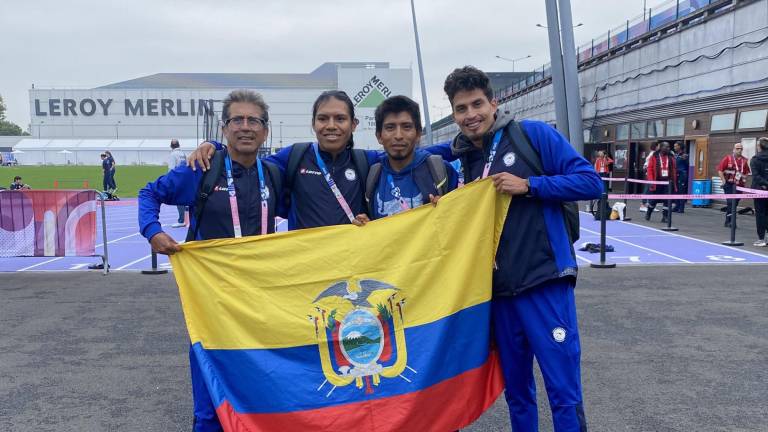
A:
x: 154, y: 270
x: 732, y: 241
x: 603, y: 216
x: 669, y: 226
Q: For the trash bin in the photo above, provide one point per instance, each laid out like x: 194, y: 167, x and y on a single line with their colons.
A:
x: 701, y: 187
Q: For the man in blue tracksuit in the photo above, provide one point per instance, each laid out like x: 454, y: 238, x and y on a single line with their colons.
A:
x: 311, y: 199
x: 406, y: 179
x: 244, y: 177
x: 533, y: 308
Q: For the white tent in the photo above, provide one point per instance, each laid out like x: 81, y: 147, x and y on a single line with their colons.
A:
x: 87, y: 151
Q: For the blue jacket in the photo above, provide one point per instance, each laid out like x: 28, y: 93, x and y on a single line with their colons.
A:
x: 311, y: 202
x: 534, y: 246
x: 414, y: 184
x: 180, y: 186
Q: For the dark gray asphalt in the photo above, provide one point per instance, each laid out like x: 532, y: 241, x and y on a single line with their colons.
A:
x: 664, y: 349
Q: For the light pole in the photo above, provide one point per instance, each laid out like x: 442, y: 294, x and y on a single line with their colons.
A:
x: 513, y: 60
x: 40, y: 129
x: 117, y: 131
x: 281, y: 134
x: 421, y: 77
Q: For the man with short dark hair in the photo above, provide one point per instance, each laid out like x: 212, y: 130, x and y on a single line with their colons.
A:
x: 733, y: 170
x: 18, y: 184
x: 407, y: 177
x: 245, y: 178
x: 661, y: 167
x: 681, y: 163
x: 533, y: 307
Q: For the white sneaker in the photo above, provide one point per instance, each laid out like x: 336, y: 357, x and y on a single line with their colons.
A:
x: 177, y: 225
x: 760, y: 243
x: 656, y: 210
x: 643, y: 209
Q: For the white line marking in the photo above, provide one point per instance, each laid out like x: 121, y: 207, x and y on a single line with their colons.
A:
x: 730, y: 248
x: 584, y: 259
x: 134, y: 262
x: 117, y: 239
x: 641, y: 247
x: 39, y: 264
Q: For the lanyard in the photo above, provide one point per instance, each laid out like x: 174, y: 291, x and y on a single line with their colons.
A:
x: 494, y: 147
x: 332, y: 184
x: 663, y: 158
x: 736, y: 164
x: 264, y: 194
x: 395, y: 191
x: 233, y: 198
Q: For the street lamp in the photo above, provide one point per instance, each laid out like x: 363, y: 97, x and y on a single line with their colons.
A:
x: 39, y: 129
x: 117, y: 132
x: 513, y: 60
x: 281, y: 134
x: 421, y: 76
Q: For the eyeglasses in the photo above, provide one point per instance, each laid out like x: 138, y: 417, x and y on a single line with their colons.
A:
x: 255, y: 122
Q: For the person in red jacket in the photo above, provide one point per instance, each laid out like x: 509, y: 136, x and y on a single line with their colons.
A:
x: 733, y: 171
x: 661, y: 167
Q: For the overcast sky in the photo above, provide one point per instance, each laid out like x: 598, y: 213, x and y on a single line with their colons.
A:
x: 88, y: 43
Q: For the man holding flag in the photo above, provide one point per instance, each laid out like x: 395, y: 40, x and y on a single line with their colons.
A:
x: 533, y: 309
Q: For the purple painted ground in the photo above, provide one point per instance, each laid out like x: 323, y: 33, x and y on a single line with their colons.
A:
x: 634, y: 245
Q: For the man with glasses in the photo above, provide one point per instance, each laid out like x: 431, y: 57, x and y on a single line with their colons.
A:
x: 255, y: 187
x: 733, y: 170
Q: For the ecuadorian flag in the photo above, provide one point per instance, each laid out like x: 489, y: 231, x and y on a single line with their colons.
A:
x: 379, y: 328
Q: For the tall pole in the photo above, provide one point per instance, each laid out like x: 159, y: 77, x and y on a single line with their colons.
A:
x: 558, y: 73
x: 571, y: 69
x: 424, y: 102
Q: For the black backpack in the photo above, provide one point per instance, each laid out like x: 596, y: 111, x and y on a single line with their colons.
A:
x: 209, y: 180
x: 359, y: 161
x: 436, y: 169
x: 523, y: 148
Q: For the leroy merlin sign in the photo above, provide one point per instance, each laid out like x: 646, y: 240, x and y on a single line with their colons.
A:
x: 372, y: 93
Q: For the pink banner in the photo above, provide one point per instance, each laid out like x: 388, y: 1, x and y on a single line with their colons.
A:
x: 48, y: 223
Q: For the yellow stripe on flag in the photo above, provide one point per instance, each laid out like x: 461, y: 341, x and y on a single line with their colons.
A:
x: 438, y: 257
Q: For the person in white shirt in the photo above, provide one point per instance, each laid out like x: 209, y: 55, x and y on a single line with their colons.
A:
x: 177, y: 158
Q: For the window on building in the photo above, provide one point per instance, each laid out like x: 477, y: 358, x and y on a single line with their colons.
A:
x: 656, y: 129
x: 676, y: 126
x: 587, y: 136
x: 622, y: 132
x: 638, y: 130
x: 753, y: 119
x: 723, y: 122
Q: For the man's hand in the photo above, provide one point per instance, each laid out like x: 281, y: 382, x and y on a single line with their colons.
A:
x: 434, y: 199
x: 510, y: 184
x: 361, y: 219
x: 164, y: 244
x: 202, y: 155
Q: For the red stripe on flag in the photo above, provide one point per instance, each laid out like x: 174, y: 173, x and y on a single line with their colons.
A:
x: 450, y: 405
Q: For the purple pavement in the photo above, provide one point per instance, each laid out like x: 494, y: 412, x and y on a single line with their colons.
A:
x: 640, y: 245
x: 633, y: 244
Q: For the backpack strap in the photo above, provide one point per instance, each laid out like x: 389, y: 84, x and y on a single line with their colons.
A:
x: 360, y: 162
x: 294, y: 158
x: 277, y: 179
x: 438, y: 172
x: 207, y: 183
x: 371, y: 180
x: 524, y: 148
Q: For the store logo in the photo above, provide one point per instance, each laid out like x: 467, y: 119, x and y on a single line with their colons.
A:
x: 372, y: 93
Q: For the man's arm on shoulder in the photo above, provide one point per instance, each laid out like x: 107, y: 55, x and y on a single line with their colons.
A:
x: 443, y: 150
x: 569, y: 177
x: 281, y: 158
x: 177, y: 187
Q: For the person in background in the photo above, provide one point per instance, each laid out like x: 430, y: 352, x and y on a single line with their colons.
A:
x: 733, y: 170
x: 681, y: 162
x: 759, y: 167
x: 654, y: 146
x: 661, y: 167
x: 18, y: 184
x: 177, y: 158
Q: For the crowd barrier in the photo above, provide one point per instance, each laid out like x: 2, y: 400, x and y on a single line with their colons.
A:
x: 51, y: 223
x: 746, y: 193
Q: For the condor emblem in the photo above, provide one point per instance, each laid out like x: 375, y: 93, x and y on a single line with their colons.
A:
x: 360, y: 334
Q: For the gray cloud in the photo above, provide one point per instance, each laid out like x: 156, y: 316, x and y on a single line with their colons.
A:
x: 87, y: 43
